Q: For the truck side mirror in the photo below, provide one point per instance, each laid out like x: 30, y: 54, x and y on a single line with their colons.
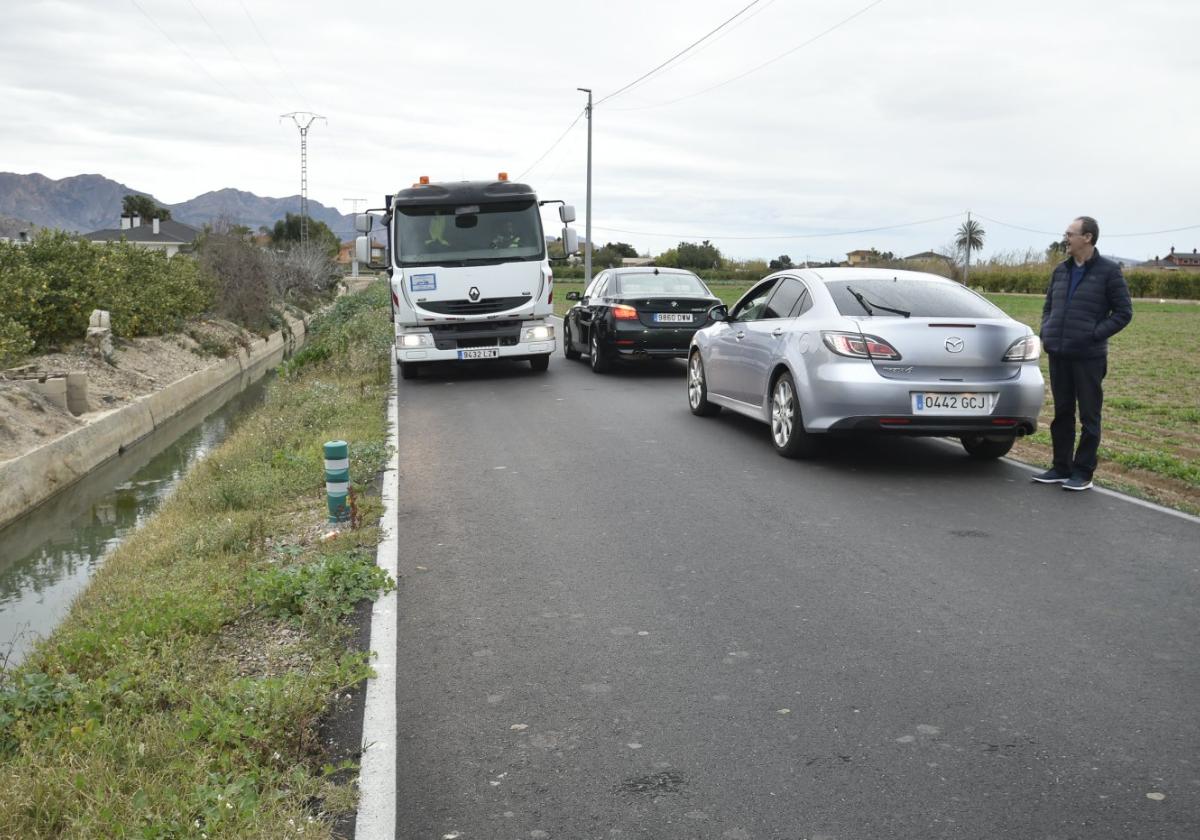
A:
x: 363, y: 250
x: 570, y: 240
x: 363, y: 222
x: 566, y: 212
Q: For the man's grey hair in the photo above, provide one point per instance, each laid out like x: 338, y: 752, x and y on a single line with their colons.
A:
x: 1088, y: 225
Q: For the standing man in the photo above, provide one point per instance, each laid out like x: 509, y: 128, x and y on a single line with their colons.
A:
x: 1087, y: 302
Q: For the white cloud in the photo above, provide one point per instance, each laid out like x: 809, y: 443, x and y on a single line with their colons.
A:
x: 1022, y: 111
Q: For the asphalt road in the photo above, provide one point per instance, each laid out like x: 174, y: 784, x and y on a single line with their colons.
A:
x: 617, y: 620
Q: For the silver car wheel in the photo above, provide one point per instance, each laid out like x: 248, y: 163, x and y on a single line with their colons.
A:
x: 695, y: 381
x: 783, y: 412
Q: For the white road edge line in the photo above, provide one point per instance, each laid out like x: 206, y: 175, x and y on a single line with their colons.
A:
x: 1116, y: 494
x: 377, y: 776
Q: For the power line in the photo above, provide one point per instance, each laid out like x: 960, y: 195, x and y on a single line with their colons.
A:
x: 767, y: 63
x: 828, y: 235
x: 696, y: 43
x: 303, y: 99
x: 742, y: 21
x: 179, y: 47
x: 1109, y: 235
x: 531, y: 166
x: 250, y: 78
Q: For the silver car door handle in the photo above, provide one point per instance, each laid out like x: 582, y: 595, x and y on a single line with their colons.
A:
x: 740, y: 336
x: 778, y: 331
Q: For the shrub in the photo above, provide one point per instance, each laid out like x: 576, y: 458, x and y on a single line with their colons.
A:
x: 15, y: 342
x: 51, y: 286
x: 302, y: 275
x: 241, y: 276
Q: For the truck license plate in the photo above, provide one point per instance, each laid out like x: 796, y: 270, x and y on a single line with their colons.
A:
x: 480, y: 353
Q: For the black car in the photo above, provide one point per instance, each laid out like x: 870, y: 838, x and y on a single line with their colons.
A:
x: 636, y: 313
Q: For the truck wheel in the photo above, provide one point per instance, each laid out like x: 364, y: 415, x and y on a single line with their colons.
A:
x: 539, y: 363
x: 409, y: 370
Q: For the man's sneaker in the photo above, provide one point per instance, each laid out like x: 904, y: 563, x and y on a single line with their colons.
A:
x: 1077, y: 483
x: 1051, y: 476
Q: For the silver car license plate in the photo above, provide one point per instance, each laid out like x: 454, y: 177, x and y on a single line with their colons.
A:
x: 480, y: 353
x: 939, y: 403
x: 673, y: 317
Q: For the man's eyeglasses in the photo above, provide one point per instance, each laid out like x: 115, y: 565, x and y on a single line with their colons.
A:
x: 1071, y: 233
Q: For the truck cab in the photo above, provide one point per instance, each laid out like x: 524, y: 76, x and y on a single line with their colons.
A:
x: 470, y: 272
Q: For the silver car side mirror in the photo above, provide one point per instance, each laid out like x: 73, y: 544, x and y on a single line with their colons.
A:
x: 720, y: 312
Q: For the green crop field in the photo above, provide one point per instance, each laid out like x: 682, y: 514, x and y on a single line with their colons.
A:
x: 1151, y: 443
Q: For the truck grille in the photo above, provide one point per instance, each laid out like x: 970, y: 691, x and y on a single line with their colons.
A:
x: 486, y: 306
x: 463, y: 336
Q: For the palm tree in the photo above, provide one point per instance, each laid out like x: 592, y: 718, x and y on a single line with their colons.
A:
x: 969, y: 238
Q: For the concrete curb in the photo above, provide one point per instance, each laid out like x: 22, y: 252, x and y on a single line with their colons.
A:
x: 377, y: 776
x: 30, y: 479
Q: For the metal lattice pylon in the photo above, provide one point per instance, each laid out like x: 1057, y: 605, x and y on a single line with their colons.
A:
x: 303, y: 119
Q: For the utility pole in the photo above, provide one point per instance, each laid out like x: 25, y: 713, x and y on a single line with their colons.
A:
x: 303, y: 119
x: 587, y: 234
x: 354, y: 254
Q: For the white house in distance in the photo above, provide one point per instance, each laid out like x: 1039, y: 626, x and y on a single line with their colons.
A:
x: 167, y: 235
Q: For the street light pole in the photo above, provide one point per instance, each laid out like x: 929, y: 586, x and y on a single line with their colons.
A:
x: 587, y: 235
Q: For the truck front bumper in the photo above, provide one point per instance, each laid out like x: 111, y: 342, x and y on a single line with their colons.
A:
x: 476, y: 341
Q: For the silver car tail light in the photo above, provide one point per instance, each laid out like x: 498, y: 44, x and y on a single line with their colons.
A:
x: 1025, y: 349
x: 859, y: 346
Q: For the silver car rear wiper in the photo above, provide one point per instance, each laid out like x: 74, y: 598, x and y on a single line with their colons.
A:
x: 862, y: 301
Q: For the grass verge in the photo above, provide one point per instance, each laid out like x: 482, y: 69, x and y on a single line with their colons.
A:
x: 1152, y: 397
x: 182, y: 694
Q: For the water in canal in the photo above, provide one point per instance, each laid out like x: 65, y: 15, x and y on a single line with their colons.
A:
x: 48, y: 557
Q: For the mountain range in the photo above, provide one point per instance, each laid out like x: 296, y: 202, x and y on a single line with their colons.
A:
x: 83, y: 203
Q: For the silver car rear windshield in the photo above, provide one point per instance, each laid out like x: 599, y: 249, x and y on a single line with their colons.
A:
x: 920, y: 298
x: 660, y: 284
x: 475, y: 234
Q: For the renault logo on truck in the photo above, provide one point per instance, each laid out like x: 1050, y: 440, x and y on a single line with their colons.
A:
x: 473, y: 294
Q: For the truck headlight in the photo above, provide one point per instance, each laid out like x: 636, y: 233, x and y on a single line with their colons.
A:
x: 422, y: 339
x: 544, y: 332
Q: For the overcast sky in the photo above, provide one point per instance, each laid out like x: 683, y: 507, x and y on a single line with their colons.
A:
x: 1026, y: 112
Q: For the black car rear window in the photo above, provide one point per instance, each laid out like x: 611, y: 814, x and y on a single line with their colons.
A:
x: 920, y: 298
x: 660, y: 284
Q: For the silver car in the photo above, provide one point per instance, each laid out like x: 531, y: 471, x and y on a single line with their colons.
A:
x: 823, y: 351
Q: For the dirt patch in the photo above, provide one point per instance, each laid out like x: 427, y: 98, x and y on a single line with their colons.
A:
x: 140, y: 366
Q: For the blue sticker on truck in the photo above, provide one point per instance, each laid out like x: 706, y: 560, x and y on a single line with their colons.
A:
x: 422, y: 282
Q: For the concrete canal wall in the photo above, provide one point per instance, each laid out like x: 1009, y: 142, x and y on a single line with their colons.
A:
x: 29, y: 480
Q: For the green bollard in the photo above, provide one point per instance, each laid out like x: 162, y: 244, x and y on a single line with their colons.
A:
x: 337, y: 479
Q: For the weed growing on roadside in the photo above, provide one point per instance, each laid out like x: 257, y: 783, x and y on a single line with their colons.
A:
x: 131, y: 719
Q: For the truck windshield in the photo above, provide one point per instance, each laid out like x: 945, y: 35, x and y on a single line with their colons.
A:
x: 475, y: 234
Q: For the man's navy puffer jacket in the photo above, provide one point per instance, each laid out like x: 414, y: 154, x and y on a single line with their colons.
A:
x: 1099, y: 308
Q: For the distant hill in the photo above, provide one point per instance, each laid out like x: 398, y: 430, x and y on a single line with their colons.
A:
x: 83, y: 203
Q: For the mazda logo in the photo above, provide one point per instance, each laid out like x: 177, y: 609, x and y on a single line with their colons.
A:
x: 474, y: 293
x: 954, y: 344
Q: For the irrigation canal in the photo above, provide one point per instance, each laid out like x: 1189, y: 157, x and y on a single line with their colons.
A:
x: 48, y: 556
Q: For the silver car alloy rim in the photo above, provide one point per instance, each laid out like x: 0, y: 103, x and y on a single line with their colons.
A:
x: 695, y: 381
x: 783, y: 411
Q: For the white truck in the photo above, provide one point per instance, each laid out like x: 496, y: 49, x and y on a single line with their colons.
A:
x: 469, y: 272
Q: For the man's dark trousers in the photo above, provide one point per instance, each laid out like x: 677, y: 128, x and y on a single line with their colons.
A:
x: 1075, y: 381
